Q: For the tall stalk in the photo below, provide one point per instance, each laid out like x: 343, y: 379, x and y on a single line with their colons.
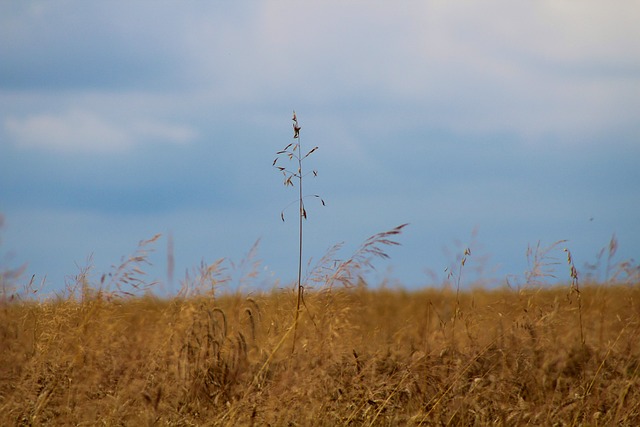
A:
x: 294, y: 152
x: 302, y: 214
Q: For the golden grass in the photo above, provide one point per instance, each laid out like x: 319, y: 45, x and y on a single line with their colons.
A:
x: 363, y: 357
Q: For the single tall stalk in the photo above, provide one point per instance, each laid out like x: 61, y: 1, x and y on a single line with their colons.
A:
x: 294, y: 151
x: 302, y: 215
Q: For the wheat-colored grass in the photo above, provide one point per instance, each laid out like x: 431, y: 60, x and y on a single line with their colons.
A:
x: 364, y: 357
x: 111, y: 353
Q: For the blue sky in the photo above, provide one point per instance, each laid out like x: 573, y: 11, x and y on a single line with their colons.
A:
x: 495, y: 125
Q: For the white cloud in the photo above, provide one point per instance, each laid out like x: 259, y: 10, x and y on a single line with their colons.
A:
x: 75, y: 131
x: 529, y: 69
x: 163, y: 131
x: 81, y: 131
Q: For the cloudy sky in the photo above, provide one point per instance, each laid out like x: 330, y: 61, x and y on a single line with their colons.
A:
x: 495, y: 125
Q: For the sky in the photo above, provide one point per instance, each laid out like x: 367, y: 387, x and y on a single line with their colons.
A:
x: 493, y: 125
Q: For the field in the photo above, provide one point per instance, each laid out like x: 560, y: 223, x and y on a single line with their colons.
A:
x: 534, y: 355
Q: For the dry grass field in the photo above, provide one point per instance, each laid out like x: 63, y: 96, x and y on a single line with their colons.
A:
x: 110, y: 352
x: 381, y: 357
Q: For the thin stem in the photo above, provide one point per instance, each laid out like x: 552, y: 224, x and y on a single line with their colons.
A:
x: 300, y: 219
x: 294, y: 151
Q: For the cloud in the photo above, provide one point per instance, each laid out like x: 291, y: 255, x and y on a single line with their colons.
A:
x: 163, y: 131
x: 531, y: 70
x: 77, y: 45
x: 82, y: 131
x: 75, y: 131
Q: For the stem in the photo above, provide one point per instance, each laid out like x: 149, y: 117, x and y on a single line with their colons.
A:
x: 301, y: 217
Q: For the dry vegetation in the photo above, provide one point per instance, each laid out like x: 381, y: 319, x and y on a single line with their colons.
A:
x: 98, y: 355
x: 327, y: 351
